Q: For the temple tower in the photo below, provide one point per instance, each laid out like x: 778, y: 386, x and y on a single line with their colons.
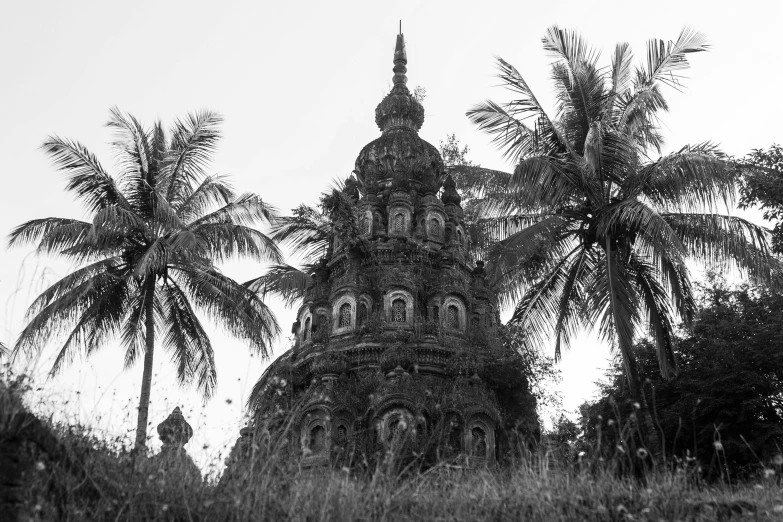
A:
x: 397, y: 341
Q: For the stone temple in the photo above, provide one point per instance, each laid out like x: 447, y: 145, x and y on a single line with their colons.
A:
x: 398, y: 346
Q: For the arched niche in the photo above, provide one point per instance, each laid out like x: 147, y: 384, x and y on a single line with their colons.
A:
x: 305, y: 325
x: 321, y: 325
x: 453, y: 315
x: 315, y: 433
x: 344, y: 314
x: 398, y: 307
x: 399, y: 221
x: 435, y: 226
x: 480, y: 438
x: 462, y: 237
x: 366, y: 223
x: 396, y: 426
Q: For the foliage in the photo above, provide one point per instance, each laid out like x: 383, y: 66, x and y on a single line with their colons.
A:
x: 147, y: 259
x: 588, y: 231
x: 531, y: 364
x: 453, y: 155
x: 761, y: 185
x: 419, y: 93
x: 724, y: 407
x: 98, y: 478
x: 271, y: 489
x: 309, y: 233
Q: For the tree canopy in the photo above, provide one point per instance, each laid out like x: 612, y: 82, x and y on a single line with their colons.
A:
x: 594, y: 226
x: 729, y: 389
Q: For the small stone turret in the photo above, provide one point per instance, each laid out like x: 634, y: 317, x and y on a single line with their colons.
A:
x: 174, y: 433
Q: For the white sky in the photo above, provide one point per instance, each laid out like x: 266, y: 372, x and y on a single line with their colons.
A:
x: 298, y: 83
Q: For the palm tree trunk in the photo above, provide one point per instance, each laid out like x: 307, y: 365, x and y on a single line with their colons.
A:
x: 146, y: 378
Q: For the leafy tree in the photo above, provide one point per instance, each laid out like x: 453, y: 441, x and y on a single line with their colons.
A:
x: 729, y: 389
x: 590, y: 231
x: 452, y: 154
x: 147, y: 256
x: 761, y: 185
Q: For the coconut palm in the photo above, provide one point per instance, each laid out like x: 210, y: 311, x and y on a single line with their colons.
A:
x: 309, y: 234
x: 594, y: 226
x: 146, y: 259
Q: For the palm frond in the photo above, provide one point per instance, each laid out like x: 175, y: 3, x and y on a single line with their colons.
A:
x: 213, y: 191
x: 241, y: 312
x: 308, y: 233
x: 511, y: 136
x: 193, y: 144
x: 53, y: 234
x: 571, y: 306
x: 622, y: 72
x: 284, y: 281
x: 543, y: 182
x: 539, y: 305
x: 134, y: 153
x: 247, y: 209
x: 695, y: 178
x: 614, y: 308
x: 224, y: 241
x: 634, y: 220
x: 474, y: 182
x: 86, y: 177
x: 726, y: 241
x: 134, y: 335
x: 656, y: 303
x: 78, y: 281
x: 667, y: 60
x: 87, y: 308
x: 187, y: 341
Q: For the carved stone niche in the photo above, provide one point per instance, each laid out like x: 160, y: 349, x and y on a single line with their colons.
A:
x: 398, y: 308
x: 396, y: 426
x: 480, y: 440
x: 315, y: 437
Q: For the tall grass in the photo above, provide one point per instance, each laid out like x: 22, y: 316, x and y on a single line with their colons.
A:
x: 90, y: 478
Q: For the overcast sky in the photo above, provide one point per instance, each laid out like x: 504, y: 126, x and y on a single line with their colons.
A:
x: 297, y: 83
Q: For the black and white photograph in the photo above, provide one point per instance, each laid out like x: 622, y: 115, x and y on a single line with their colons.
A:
x: 391, y: 261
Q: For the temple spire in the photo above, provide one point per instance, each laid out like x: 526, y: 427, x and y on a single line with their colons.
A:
x: 399, y: 109
x: 400, y: 61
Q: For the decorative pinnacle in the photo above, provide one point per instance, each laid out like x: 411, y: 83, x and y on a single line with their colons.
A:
x: 400, y: 60
x: 175, y: 429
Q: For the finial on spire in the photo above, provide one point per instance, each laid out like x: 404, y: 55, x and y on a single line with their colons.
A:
x: 399, y: 109
x: 400, y: 60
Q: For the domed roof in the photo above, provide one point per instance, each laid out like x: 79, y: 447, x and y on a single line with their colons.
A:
x: 399, y: 155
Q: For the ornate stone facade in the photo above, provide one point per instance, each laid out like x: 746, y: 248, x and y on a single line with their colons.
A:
x: 397, y: 342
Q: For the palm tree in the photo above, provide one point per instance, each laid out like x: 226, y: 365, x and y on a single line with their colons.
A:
x: 147, y: 256
x: 594, y: 226
x: 309, y: 234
